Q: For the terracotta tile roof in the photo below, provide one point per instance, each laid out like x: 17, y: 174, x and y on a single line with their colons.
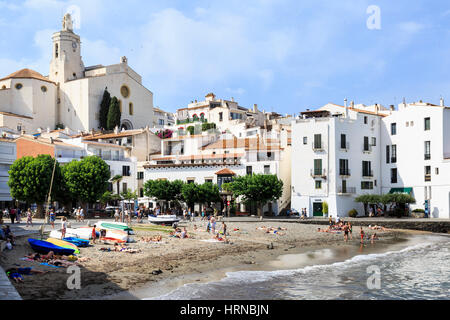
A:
x: 127, y: 133
x: 27, y: 74
x: 225, y: 171
x: 110, y: 145
x: 362, y: 111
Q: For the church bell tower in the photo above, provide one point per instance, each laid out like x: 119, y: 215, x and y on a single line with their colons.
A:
x: 66, y: 64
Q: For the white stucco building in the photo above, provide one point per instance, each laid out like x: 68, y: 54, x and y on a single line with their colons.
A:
x: 337, y: 150
x: 218, y: 158
x: 7, y: 157
x: 347, y: 151
x: 71, y: 94
x: 416, y: 155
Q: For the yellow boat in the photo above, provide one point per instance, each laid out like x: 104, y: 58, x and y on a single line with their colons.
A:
x: 64, y: 244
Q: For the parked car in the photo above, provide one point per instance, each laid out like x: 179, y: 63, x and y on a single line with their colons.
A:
x: 93, y: 213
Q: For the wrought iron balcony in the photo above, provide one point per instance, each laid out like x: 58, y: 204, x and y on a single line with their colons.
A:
x: 346, y: 190
x: 318, y: 173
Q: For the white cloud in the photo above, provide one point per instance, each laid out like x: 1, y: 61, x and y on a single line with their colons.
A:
x: 209, y: 48
x: 237, y: 91
x: 411, y: 27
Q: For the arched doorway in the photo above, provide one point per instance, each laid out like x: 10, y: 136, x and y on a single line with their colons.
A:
x: 126, y: 124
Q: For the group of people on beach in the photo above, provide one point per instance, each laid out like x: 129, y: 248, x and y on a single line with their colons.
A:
x: 347, y: 228
x: 8, y: 236
x: 15, y: 215
x: 272, y: 230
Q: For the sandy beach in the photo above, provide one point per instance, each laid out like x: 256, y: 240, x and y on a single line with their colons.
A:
x: 107, y: 274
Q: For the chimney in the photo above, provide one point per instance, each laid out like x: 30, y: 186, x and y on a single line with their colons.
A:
x: 392, y: 107
x: 255, y: 108
x: 48, y: 129
x: 442, y: 102
x: 345, y: 102
x: 116, y: 130
x: 51, y: 140
x: 232, y: 99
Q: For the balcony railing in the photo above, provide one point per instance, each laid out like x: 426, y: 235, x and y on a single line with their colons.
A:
x: 315, y: 173
x: 317, y: 146
x: 367, y: 174
x: 427, y: 177
x: 367, y: 148
x: 393, y: 159
x: 346, y: 190
x: 344, y: 172
x: 427, y: 156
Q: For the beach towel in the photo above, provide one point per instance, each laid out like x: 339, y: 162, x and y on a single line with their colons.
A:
x: 49, y: 265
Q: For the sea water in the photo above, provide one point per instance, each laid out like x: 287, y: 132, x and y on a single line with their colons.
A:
x: 418, y: 270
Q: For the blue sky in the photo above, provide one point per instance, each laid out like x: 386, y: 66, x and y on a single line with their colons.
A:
x: 284, y: 55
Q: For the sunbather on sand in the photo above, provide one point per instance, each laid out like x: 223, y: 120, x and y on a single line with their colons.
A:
x: 62, y: 263
x: 378, y: 228
x: 124, y: 248
x: 151, y: 239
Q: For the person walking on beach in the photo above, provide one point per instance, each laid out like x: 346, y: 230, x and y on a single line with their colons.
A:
x: 77, y: 213
x: 116, y: 215
x: 350, y: 230
x: 29, y: 217
x: 346, y: 233
x: 82, y: 214
x: 224, y: 228
x: 63, y: 227
x: 94, y: 234
x: 362, y: 235
x: 18, y: 213
x: 52, y: 217
x: 213, y: 225
x: 12, y: 215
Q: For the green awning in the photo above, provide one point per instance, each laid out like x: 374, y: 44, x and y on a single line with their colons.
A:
x: 401, y: 190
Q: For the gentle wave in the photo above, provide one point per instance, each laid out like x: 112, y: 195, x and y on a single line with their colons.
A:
x: 258, y: 278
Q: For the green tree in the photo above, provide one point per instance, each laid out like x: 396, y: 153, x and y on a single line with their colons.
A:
x: 257, y: 188
x: 209, y: 193
x: 368, y: 199
x: 87, y: 179
x: 191, y: 130
x: 163, y: 190
x: 104, y: 109
x: 30, y: 180
x: 325, y: 208
x: 116, y: 179
x: 191, y: 194
x: 106, y: 198
x: 114, y: 114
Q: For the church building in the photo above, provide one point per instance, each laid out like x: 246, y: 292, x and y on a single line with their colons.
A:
x: 71, y: 94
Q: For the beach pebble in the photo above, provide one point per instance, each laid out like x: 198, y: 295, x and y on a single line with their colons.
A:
x: 156, y: 272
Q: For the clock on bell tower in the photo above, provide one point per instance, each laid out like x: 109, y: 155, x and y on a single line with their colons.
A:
x: 66, y: 64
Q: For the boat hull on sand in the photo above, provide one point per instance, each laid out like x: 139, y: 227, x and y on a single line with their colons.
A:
x: 163, y: 219
x: 64, y: 244
x: 45, y: 247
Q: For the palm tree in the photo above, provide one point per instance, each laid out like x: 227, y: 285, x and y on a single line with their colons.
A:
x: 116, y: 179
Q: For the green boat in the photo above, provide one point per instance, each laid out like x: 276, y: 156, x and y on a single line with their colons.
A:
x: 114, y: 226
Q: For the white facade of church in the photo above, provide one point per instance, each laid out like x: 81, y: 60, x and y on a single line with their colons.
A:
x: 72, y: 93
